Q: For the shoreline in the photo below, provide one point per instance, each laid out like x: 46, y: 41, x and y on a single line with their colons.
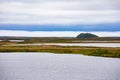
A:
x: 90, y: 51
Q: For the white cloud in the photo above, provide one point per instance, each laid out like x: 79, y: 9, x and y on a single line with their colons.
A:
x: 59, y: 12
x: 54, y: 33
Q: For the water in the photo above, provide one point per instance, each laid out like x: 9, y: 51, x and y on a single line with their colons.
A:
x: 48, y: 66
x: 72, y: 44
x: 16, y: 40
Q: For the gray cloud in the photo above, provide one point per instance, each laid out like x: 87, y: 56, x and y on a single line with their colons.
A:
x: 81, y: 4
x: 59, y: 11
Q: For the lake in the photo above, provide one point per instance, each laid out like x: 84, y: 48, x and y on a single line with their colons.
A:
x: 48, y: 66
x: 71, y: 44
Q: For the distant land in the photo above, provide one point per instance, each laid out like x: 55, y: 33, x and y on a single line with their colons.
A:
x: 24, y: 44
x: 59, y: 39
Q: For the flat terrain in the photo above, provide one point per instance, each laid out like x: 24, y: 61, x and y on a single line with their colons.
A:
x: 91, y: 51
x: 62, y: 39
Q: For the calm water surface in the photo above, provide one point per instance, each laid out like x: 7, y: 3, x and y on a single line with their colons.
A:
x: 72, y: 44
x: 48, y: 66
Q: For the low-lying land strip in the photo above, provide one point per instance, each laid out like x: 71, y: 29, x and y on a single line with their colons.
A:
x: 91, y: 51
x: 25, y: 40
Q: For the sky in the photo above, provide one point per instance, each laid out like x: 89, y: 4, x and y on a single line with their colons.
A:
x: 60, y: 15
x: 54, y: 33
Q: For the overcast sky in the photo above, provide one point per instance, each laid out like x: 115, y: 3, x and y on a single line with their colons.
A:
x: 91, y: 13
x: 59, y: 11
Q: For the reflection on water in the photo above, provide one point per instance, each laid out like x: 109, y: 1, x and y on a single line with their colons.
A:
x: 46, y: 66
x: 73, y: 44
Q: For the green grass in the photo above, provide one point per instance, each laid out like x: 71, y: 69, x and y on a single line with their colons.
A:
x: 91, y: 51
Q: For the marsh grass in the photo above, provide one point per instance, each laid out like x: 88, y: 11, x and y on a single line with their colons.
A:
x: 91, y: 51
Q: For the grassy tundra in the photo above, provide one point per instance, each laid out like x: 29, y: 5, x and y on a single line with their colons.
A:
x: 91, y: 51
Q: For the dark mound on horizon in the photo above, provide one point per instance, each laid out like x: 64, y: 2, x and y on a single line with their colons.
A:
x: 86, y: 36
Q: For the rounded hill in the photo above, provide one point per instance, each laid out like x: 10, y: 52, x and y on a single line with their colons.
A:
x: 86, y: 35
